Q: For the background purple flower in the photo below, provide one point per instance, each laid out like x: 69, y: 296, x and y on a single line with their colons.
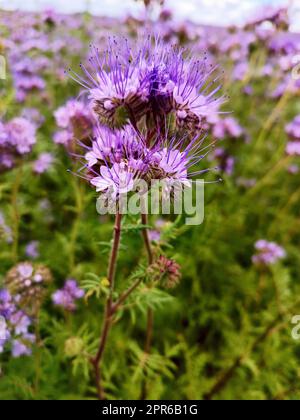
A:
x: 293, y: 148
x: 14, y: 327
x: 268, y: 253
x: 31, y: 250
x: 67, y: 296
x: 21, y: 134
x: 43, y: 163
x: 293, y: 129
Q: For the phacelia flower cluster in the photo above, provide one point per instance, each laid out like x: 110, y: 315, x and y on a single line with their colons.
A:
x: 126, y: 84
x: 28, y: 283
x: 17, y: 138
x: 15, y: 326
x: 268, y: 253
x: 33, y: 115
x: 151, y: 104
x: 75, y: 121
x: 68, y: 295
x: 227, y: 127
x: 43, y: 163
x: 118, y: 160
x: 278, y: 16
x: 26, y: 76
x: 32, y: 250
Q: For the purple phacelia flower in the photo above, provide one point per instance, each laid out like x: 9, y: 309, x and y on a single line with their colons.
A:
x: 4, y: 333
x: 31, y: 250
x: 21, y: 134
x: 191, y: 106
x: 293, y: 169
x: 14, y: 326
x: 75, y: 121
x: 3, y: 135
x: 240, y: 71
x: 248, y: 90
x: 227, y: 127
x: 118, y: 179
x: 268, y: 253
x: 63, y: 137
x: 43, y: 163
x: 174, y: 164
x: 23, y: 286
x: 33, y: 115
x: 226, y: 162
x: 19, y: 349
x: 29, y: 83
x: 7, y: 306
x: 71, y: 286
x: 293, y: 148
x: 113, y: 146
x: 153, y: 81
x: 69, y: 113
x: 7, y: 159
x: 278, y: 16
x: 25, y: 270
x: 118, y: 169
x: 67, y: 296
x: 28, y: 282
x: 155, y: 234
x: 124, y: 84
x: 20, y: 322
x: 116, y: 85
x: 293, y: 129
x: 115, y: 169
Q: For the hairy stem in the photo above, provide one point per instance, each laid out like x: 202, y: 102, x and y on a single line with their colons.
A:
x: 125, y: 295
x: 146, y: 239
x: 109, y: 308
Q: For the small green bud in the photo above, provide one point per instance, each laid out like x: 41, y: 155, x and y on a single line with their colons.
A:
x: 73, y: 346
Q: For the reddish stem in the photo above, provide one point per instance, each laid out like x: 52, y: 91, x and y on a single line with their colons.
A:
x: 109, y: 307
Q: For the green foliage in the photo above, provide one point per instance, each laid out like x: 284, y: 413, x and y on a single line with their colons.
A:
x: 225, y: 331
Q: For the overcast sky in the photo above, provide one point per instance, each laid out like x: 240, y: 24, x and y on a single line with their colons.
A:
x: 219, y: 12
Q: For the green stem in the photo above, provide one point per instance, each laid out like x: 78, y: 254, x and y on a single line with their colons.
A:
x: 280, y: 106
x: 269, y: 176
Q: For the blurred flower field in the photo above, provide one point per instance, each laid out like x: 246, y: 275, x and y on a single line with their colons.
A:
x: 210, y: 316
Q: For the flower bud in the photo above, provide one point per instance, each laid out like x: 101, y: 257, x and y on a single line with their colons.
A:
x: 166, y: 271
x: 73, y: 346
